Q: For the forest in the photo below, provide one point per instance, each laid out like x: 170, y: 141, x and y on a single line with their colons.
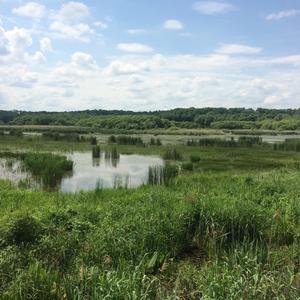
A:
x: 187, y: 118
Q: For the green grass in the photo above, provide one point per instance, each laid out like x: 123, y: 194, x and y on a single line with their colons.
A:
x: 219, y: 236
x: 226, y: 228
x: 46, y: 168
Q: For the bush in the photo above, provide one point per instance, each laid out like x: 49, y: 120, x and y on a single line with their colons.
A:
x: 23, y: 231
x: 188, y: 166
x: 195, y: 158
x: 172, y: 154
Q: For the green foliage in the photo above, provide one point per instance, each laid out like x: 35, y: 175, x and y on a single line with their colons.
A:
x: 125, y: 140
x: 96, y: 152
x: 288, y: 145
x: 172, y: 154
x: 16, y: 132
x: 46, y: 167
x: 23, y: 230
x: 219, y: 118
x: 162, y: 175
x: 215, y: 236
x: 243, y: 141
x: 195, y: 158
x: 155, y: 142
x: 188, y: 166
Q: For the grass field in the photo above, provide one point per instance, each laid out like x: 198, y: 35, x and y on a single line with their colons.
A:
x: 227, y: 229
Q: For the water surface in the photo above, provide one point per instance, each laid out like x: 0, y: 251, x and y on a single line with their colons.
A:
x: 89, y: 173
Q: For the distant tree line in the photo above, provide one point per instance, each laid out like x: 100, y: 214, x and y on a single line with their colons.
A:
x: 217, y: 118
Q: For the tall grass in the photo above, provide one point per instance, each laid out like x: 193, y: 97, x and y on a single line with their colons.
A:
x: 288, y: 145
x: 211, y: 236
x: 125, y: 140
x: 243, y: 141
x: 47, y: 168
x: 172, y: 154
x: 162, y: 175
x: 96, y: 152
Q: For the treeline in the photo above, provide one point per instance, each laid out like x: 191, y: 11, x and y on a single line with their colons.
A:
x: 217, y: 118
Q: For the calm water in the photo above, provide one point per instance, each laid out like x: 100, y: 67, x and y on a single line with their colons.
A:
x: 89, y: 173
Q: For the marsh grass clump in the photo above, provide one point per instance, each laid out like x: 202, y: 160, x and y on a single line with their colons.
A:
x: 16, y: 132
x: 243, y: 141
x: 155, y: 142
x: 194, y: 158
x: 93, y: 140
x: 188, y: 166
x: 48, y: 168
x: 288, y: 145
x: 67, y: 137
x: 162, y: 175
x: 172, y: 154
x: 23, y: 230
x: 114, y: 153
x: 125, y: 140
x: 96, y: 152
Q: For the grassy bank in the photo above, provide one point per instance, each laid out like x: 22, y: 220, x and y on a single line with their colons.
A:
x: 211, y: 236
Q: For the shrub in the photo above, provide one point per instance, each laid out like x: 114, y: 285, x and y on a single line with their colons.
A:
x: 188, y: 166
x: 23, y: 230
x: 172, y: 154
x: 195, y: 158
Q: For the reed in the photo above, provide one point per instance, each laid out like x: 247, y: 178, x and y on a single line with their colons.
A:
x: 96, y: 152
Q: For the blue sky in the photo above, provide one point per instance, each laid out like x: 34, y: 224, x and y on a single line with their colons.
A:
x: 148, y: 55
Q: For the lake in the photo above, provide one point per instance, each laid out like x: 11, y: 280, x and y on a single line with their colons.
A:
x: 89, y: 173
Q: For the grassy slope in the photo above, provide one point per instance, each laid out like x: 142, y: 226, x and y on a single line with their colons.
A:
x: 221, y: 236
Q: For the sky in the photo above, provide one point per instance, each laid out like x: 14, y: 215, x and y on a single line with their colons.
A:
x: 149, y: 55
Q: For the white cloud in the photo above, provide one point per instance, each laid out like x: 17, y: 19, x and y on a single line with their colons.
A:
x: 101, y: 25
x: 83, y: 60
x: 72, y: 11
x: 19, y: 39
x: 135, y: 48
x: 3, y: 43
x: 136, y: 31
x: 67, y: 22
x: 122, y: 68
x: 282, y: 14
x: 37, y: 58
x: 173, y: 25
x: 238, y: 49
x: 31, y: 10
x: 213, y: 7
x: 46, y: 45
x: 79, y: 31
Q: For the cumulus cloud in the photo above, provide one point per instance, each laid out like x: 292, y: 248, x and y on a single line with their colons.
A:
x: 67, y: 22
x: 238, y: 49
x: 122, y: 68
x: 135, y: 48
x: 282, y: 14
x: 101, y: 25
x: 72, y: 11
x: 173, y: 25
x: 18, y: 39
x: 83, y: 60
x: 3, y: 42
x: 136, y: 31
x: 31, y: 10
x: 46, y: 45
x: 213, y: 7
x: 78, y: 32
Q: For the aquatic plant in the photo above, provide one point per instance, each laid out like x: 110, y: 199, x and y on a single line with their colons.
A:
x: 172, y: 154
x: 96, y: 152
x: 162, y: 175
